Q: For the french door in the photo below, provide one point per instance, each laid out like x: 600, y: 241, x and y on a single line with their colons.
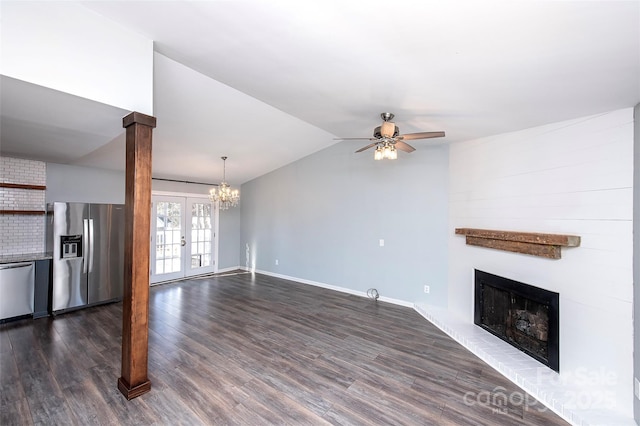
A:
x: 183, y: 237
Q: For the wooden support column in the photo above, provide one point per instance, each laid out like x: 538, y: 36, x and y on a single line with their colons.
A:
x: 135, y: 307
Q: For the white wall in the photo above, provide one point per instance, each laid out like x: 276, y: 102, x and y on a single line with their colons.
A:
x: 636, y: 254
x: 65, y: 46
x: 573, y: 177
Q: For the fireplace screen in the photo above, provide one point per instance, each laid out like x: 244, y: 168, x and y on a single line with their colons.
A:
x: 522, y: 315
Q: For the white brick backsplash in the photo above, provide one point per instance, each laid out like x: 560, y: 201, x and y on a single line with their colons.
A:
x: 22, y: 233
x: 17, y: 170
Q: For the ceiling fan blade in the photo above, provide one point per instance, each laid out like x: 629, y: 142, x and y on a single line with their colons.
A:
x: 421, y: 135
x: 402, y: 146
x: 371, y: 145
x: 354, y: 139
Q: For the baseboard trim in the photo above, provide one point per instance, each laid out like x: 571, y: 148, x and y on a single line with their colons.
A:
x: 331, y: 287
x: 233, y: 268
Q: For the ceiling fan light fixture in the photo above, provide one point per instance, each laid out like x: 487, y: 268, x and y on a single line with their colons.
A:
x: 387, y: 129
x: 378, y: 155
x: 387, y: 139
x: 393, y: 153
x: 385, y: 151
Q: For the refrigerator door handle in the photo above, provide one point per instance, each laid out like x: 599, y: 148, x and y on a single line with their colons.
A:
x: 90, y: 245
x: 85, y: 238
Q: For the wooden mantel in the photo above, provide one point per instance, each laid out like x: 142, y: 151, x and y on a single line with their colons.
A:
x: 543, y: 245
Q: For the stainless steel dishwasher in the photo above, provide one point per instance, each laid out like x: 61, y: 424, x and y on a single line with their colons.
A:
x: 16, y: 289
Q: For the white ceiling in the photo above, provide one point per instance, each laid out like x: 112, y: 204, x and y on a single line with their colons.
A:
x: 266, y: 83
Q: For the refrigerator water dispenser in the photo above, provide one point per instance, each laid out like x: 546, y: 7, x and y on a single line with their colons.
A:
x: 70, y: 246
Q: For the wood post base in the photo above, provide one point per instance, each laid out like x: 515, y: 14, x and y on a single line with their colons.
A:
x: 133, y: 392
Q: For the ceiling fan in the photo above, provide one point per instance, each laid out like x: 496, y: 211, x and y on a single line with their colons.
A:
x: 387, y: 139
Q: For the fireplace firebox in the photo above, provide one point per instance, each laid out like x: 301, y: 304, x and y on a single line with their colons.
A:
x: 525, y: 316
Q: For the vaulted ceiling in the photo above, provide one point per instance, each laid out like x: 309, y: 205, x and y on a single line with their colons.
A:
x: 266, y: 83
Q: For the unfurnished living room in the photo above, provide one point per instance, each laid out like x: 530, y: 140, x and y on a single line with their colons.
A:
x: 318, y: 212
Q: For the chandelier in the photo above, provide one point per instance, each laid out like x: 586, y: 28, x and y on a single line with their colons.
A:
x: 224, y: 195
x: 385, y: 150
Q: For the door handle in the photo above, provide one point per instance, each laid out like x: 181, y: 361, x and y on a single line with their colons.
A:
x: 85, y: 244
x: 183, y: 242
x: 91, y: 245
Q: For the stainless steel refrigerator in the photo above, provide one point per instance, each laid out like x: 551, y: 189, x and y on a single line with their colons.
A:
x: 87, y: 242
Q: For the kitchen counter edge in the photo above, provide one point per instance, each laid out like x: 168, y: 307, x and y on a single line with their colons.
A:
x: 26, y: 257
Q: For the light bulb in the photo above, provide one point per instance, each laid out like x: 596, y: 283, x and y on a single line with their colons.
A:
x: 378, y: 154
x: 393, y: 155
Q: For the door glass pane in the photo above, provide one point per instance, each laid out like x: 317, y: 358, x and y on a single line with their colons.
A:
x: 201, y: 235
x: 168, y: 237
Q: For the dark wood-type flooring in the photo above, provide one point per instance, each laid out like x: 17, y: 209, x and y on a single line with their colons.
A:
x: 255, y: 350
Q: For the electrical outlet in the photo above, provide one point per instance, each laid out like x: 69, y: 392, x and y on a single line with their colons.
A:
x: 381, y: 242
x: 427, y: 289
x: 276, y: 262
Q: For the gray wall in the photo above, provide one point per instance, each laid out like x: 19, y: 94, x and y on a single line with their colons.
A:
x: 322, y: 218
x: 229, y: 241
x: 636, y: 256
x: 91, y: 185
x: 84, y: 184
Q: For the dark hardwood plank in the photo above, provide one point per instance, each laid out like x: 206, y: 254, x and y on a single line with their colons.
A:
x: 89, y: 405
x: 252, y: 349
x: 134, y: 412
x: 17, y: 410
x: 11, y: 390
x: 276, y: 406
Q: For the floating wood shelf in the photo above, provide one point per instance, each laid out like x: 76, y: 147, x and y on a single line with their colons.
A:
x: 27, y: 212
x: 543, y: 245
x: 22, y: 186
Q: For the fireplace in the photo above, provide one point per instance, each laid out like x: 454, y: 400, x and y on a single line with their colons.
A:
x: 520, y: 314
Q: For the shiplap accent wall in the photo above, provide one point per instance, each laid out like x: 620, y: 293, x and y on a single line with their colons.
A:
x: 573, y: 177
x: 22, y: 233
x: 636, y: 257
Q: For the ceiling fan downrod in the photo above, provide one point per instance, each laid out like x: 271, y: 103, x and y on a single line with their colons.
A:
x: 386, y: 116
